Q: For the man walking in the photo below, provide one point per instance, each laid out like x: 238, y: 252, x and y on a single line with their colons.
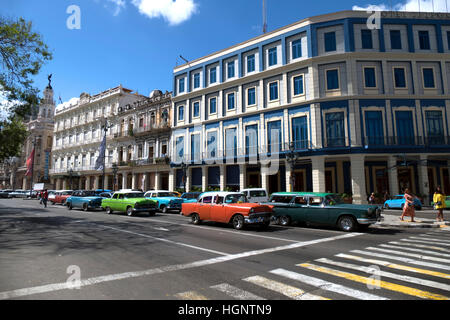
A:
x: 45, y: 198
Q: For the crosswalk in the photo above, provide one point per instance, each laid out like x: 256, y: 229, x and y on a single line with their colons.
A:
x: 416, y: 267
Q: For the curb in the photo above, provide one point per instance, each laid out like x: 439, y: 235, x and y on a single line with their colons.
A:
x: 410, y: 226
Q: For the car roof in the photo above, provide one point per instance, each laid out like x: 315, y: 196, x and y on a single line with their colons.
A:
x: 318, y: 194
x: 219, y: 193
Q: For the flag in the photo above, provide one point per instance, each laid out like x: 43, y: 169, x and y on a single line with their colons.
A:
x: 30, y: 163
x: 101, y: 156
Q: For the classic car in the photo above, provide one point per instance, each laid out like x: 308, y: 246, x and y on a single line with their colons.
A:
x: 322, y: 209
x: 84, y: 199
x: 190, y: 197
x: 227, y: 207
x: 166, y: 201
x: 61, y: 197
x: 18, y: 194
x: 130, y: 202
x: 256, y: 195
x: 398, y: 201
x: 6, y: 194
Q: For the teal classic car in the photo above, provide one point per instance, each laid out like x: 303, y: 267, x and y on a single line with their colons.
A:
x: 325, y: 209
x: 87, y: 200
x: 130, y: 202
x: 166, y: 201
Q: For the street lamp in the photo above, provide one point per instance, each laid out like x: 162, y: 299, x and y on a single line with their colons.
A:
x: 184, y: 167
x: 291, y: 159
x: 70, y: 177
x: 115, y: 168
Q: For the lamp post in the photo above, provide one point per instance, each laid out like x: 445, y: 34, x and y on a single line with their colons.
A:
x: 184, y: 167
x: 291, y: 159
x: 115, y: 168
x: 105, y: 128
x: 70, y: 177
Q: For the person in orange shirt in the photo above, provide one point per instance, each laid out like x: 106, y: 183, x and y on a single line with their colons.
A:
x: 439, y: 203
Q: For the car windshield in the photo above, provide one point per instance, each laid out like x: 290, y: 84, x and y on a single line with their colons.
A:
x: 165, y: 195
x: 398, y: 197
x: 235, y: 198
x: 281, y: 199
x: 88, y: 194
x: 134, y: 195
x: 333, y: 199
x: 258, y: 193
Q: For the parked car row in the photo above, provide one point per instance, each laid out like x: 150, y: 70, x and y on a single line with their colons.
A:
x: 18, y: 193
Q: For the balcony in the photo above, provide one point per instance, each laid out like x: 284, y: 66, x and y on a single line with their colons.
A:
x: 152, y: 128
x: 407, y: 142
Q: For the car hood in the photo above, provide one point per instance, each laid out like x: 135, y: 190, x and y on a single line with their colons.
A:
x: 141, y: 200
x: 167, y: 198
x: 364, y: 207
x: 91, y: 198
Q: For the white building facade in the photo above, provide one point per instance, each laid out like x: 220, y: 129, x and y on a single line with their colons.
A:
x: 327, y: 104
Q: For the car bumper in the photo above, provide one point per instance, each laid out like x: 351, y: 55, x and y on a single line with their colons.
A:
x: 144, y: 209
x: 369, y: 220
x: 174, y: 207
x: 257, y: 218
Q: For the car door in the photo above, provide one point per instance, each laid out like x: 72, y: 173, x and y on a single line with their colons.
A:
x: 113, y: 202
x: 298, y: 209
x: 316, y: 212
x: 204, y: 207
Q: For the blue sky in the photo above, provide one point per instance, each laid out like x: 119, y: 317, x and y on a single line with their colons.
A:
x: 136, y: 43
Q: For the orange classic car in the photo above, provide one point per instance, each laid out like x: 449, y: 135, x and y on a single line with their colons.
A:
x: 227, y: 207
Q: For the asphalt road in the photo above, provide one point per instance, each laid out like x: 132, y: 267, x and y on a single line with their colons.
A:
x: 43, y: 252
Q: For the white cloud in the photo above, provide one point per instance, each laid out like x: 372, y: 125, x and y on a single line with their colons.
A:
x: 120, y: 4
x: 67, y: 104
x: 410, y: 5
x: 174, y: 11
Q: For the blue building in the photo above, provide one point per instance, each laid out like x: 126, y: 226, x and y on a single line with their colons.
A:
x: 346, y: 102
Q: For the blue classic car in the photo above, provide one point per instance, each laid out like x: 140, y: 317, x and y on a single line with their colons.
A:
x: 166, y: 200
x: 189, y: 197
x: 84, y: 199
x: 398, y: 201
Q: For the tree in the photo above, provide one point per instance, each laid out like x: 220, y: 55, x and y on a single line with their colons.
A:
x: 22, y: 54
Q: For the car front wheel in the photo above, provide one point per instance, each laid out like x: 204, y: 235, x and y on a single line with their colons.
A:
x: 347, y: 224
x: 129, y: 211
x: 285, y: 220
x: 238, y: 222
x: 163, y: 209
x: 108, y: 210
x: 69, y: 206
x: 85, y: 207
x: 195, y: 218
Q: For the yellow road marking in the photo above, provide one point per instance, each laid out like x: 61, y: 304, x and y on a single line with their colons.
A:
x: 373, y: 282
x: 287, y: 290
x: 396, y: 266
x: 190, y: 295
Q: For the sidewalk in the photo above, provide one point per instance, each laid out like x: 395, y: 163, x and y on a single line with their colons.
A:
x: 389, y: 220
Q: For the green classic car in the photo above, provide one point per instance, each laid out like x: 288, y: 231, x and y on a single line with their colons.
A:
x: 322, y: 209
x: 130, y: 202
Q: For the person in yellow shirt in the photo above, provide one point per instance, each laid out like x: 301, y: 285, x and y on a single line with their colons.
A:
x: 439, y: 203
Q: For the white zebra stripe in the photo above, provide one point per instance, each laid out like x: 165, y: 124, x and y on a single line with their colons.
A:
x: 325, y: 285
x: 410, y: 255
x: 415, y: 250
x: 432, y: 239
x: 407, y: 260
x: 401, y: 277
x: 236, y: 292
x: 284, y: 289
x: 419, y: 246
x: 429, y: 242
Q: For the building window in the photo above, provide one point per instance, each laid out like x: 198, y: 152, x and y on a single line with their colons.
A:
x: 300, y: 133
x: 251, y: 96
x: 251, y: 63
x: 212, y: 105
x: 196, y: 110
x: 370, y: 80
x: 424, y: 40
x: 297, y: 49
x: 366, y: 39
x: 251, y: 140
x: 396, y: 39
x: 231, y: 101
x: 181, y: 113
x: 231, y: 142
x: 335, y: 129
x: 435, y: 127
x: 274, y: 136
x: 273, y: 91
x: 298, y: 85
x: 405, y: 127
x: 179, y: 147
x: 196, y: 80
x: 428, y: 78
x: 448, y: 40
x: 230, y: 67
x: 212, y: 75
x: 212, y: 144
x: 399, y: 78
x: 273, y: 56
x: 332, y: 79
x: 330, y: 41
x: 374, y: 127
x: 181, y: 85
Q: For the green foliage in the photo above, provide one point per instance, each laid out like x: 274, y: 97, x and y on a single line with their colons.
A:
x: 12, y: 135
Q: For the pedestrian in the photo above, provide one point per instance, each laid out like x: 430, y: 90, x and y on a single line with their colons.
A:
x: 372, y: 198
x: 408, y: 207
x: 387, y: 196
x: 45, y: 198
x: 439, y: 203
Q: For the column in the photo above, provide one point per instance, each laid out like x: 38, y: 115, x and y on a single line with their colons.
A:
x: 204, y: 178
x: 358, y: 179
x: 171, y: 179
x: 318, y: 174
x: 188, y: 179
x: 289, y: 187
x: 124, y: 180
x: 424, y: 188
x: 134, y: 182
x: 222, y: 177
x: 157, y: 178
x: 64, y: 184
x: 96, y: 182
x: 264, y: 178
x: 393, y: 176
x: 87, y: 185
x: 242, y: 176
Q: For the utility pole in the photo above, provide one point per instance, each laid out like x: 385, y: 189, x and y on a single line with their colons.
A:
x: 264, y: 17
x: 105, y: 128
x: 32, y: 166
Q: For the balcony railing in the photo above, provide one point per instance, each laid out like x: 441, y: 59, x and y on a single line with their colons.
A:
x: 163, y: 125
x: 410, y: 141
